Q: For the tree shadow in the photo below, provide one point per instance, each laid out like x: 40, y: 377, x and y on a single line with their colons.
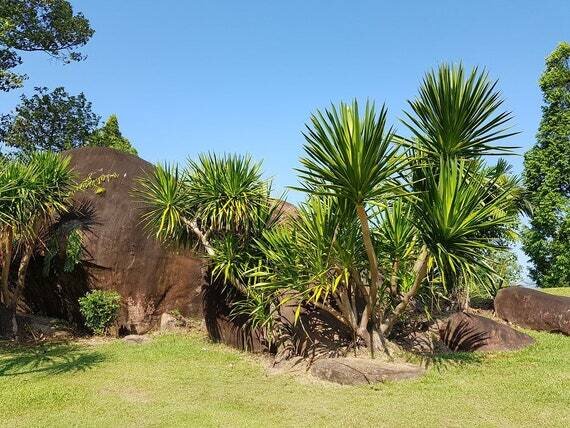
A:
x: 445, y: 361
x: 50, y: 358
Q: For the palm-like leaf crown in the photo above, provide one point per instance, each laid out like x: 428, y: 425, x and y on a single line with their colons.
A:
x: 349, y: 155
x: 221, y: 194
x: 456, y: 210
x: 457, y: 115
x: 227, y: 193
x: 34, y: 190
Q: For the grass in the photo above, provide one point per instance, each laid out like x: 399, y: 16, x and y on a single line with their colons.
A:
x: 559, y: 291
x: 184, y: 380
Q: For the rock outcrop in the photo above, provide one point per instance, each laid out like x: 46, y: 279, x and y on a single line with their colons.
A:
x: 359, y: 371
x: 534, y: 309
x: 470, y: 332
x: 118, y: 254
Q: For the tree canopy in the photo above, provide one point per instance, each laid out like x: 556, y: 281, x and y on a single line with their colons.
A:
x: 49, y: 26
x: 53, y: 121
x: 547, y: 177
x: 109, y: 135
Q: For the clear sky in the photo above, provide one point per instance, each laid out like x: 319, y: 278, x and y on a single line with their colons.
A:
x: 243, y: 76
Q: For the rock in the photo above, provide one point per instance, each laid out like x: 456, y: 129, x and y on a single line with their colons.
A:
x: 169, y: 322
x: 119, y: 255
x: 359, y: 371
x: 534, y: 309
x: 36, y: 326
x: 469, y: 332
x: 136, y: 338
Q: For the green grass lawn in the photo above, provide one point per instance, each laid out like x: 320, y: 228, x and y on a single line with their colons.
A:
x: 184, y: 380
x: 559, y: 291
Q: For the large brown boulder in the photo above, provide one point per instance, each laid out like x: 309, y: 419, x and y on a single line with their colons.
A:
x: 120, y: 256
x: 534, y: 309
x: 470, y: 332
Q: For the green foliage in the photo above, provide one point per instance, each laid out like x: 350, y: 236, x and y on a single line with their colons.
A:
x: 32, y: 194
x: 222, y: 204
x: 454, y: 212
x: 73, y: 251
x: 166, y: 201
x: 109, y: 135
x: 349, y: 156
x: 53, y: 121
x: 49, y: 26
x: 100, y: 308
x: 35, y: 190
x: 457, y: 115
x: 96, y: 183
x: 227, y: 193
x: 547, y: 178
x: 384, y: 216
x: 507, y: 272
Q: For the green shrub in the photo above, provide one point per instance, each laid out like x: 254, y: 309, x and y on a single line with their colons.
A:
x: 99, y: 309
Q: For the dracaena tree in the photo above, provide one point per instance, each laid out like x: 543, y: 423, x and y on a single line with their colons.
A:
x: 439, y: 208
x: 353, y: 159
x: 33, y: 193
x: 219, y: 204
x: 383, y: 218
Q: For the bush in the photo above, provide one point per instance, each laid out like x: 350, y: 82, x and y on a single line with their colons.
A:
x: 99, y: 309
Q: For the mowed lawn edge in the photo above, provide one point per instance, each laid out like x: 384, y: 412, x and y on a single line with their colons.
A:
x: 185, y: 380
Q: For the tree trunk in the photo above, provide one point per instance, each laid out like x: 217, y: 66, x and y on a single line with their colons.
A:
x: 372, y: 338
x: 6, y: 262
x: 372, y: 260
x: 6, y: 322
x: 420, y: 271
x: 394, y: 278
x: 20, y: 283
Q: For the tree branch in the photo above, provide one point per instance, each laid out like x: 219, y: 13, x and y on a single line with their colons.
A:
x: 420, y: 270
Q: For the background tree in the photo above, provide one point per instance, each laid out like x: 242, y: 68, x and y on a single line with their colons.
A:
x: 53, y: 121
x: 547, y: 178
x: 109, y: 135
x: 48, y: 26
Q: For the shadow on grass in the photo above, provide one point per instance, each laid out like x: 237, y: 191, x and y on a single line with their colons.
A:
x: 445, y: 361
x: 442, y: 361
x: 48, y: 358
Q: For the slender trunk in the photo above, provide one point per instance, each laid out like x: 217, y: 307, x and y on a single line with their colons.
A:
x: 20, y: 283
x: 394, y: 278
x: 420, y: 272
x: 6, y: 262
x: 193, y: 226
x: 374, y: 274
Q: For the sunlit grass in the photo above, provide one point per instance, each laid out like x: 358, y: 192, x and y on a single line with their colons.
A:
x: 559, y: 291
x: 188, y: 381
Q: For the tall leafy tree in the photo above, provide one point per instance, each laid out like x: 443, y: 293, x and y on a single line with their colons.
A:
x: 53, y: 121
x: 109, y: 135
x: 547, y: 177
x: 49, y: 26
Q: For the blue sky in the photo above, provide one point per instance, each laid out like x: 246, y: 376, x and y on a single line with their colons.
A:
x: 243, y: 76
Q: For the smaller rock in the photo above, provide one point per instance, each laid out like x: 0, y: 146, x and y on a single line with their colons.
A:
x: 360, y: 371
x: 136, y: 338
x: 169, y: 322
x: 534, y: 309
x: 470, y: 332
